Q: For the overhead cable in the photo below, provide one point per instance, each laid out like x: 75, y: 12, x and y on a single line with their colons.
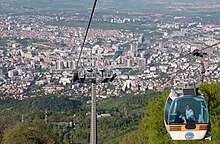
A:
x: 90, y: 20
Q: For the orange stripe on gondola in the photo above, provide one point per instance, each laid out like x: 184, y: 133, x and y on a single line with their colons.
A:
x: 203, y: 127
x: 183, y: 128
x: 175, y: 128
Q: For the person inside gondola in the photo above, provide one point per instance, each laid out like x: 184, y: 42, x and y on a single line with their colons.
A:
x: 179, y: 118
x: 191, y: 119
x: 189, y: 114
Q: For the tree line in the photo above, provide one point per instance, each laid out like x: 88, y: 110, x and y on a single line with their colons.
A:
x: 135, y: 119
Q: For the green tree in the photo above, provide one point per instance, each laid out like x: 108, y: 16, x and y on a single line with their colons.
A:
x: 5, y: 122
x: 66, y: 138
x: 152, y: 125
x: 212, y: 95
x: 134, y: 137
x: 28, y: 132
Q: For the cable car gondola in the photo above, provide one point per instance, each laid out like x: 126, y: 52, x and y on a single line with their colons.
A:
x: 186, y: 114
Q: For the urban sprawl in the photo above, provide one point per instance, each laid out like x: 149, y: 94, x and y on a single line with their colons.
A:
x: 156, y: 57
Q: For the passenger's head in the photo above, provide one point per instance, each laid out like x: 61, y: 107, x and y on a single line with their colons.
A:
x: 187, y: 107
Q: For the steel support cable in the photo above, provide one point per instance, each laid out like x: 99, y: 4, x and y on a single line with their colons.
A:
x: 211, y: 46
x: 90, y: 20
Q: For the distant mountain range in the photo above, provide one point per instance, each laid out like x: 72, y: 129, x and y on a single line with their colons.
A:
x: 13, y: 6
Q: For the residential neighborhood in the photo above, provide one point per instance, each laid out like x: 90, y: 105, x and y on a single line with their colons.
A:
x: 38, y: 58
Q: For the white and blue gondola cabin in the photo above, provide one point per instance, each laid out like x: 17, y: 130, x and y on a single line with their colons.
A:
x: 186, y: 115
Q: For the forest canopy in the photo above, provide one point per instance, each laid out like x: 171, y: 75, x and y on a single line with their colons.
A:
x: 120, y: 128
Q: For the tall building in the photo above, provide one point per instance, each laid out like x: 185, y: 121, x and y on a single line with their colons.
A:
x: 48, y: 59
x: 59, y: 65
x: 129, y: 62
x: 1, y: 70
x: 141, y: 39
x: 161, y: 45
x: 142, y: 62
x: 133, y: 47
x: 71, y: 64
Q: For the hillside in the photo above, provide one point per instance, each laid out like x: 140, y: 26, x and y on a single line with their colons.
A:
x: 126, y: 113
x: 38, y: 105
x: 121, y: 128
